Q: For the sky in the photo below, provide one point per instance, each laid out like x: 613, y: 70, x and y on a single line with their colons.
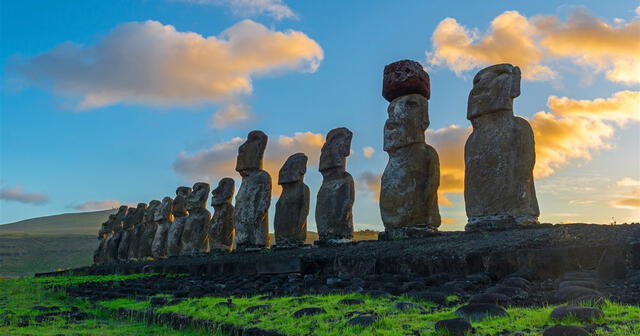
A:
x: 118, y: 102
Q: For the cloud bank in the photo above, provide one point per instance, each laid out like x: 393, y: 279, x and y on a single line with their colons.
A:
x: 97, y: 205
x: 16, y: 194
x: 276, y: 9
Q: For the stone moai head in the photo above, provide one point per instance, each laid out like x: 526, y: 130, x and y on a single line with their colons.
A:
x: 164, y: 210
x: 180, y: 202
x: 224, y: 192
x: 293, y: 169
x: 118, y: 221
x: 198, y: 197
x: 405, y: 77
x: 494, y: 89
x: 150, y: 214
x: 336, y: 149
x: 250, y: 153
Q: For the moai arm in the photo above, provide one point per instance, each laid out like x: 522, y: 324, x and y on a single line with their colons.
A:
x: 263, y: 194
x: 304, y: 212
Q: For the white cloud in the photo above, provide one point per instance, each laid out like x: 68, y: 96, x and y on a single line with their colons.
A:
x: 153, y: 64
x: 17, y: 195
x: 368, y: 152
x: 230, y: 115
x: 628, y: 182
x: 97, y: 205
x: 250, y: 8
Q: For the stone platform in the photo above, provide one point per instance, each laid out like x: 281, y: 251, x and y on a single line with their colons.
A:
x: 542, y: 252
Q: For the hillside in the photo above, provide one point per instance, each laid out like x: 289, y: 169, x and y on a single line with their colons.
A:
x: 80, y: 223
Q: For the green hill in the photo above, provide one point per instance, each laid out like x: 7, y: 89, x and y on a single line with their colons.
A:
x: 80, y: 223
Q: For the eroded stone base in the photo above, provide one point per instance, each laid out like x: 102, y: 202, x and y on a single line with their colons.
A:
x: 408, y: 232
x: 500, y: 222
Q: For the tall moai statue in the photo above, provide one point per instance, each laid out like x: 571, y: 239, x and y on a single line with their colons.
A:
x: 113, y: 240
x: 164, y: 218
x: 128, y: 230
x: 251, y: 217
x: 499, y: 155
x: 100, y: 254
x: 180, y: 213
x: 409, y: 186
x: 292, y: 208
x: 195, y: 235
x: 334, y: 217
x: 136, y: 231
x: 222, y: 232
x: 147, y: 230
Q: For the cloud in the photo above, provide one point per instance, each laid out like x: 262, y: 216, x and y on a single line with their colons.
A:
x: 622, y: 107
x: 220, y: 160
x: 149, y: 63
x: 630, y: 201
x: 369, y: 183
x: 533, y: 43
x: 230, y: 115
x: 628, y: 182
x: 448, y: 220
x: 368, y: 152
x: 250, y: 8
x: 97, y: 205
x: 17, y: 195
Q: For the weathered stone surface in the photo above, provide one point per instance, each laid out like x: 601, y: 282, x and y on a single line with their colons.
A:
x: 100, y: 254
x: 180, y: 213
x: 479, y: 311
x: 195, y: 235
x: 612, y: 265
x: 164, y: 218
x: 113, y: 240
x: 134, y: 237
x: 584, y: 314
x: 334, y: 217
x: 292, y: 208
x: 574, y: 292
x: 251, y: 217
x: 499, y: 155
x: 409, y: 185
x: 454, y: 327
x: 222, y: 231
x: 403, y: 78
x: 562, y: 330
x: 146, y: 231
x: 130, y: 222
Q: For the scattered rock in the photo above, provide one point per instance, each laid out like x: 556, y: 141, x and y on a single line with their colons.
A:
x: 584, y: 314
x: 363, y: 320
x: 478, y: 311
x: 403, y: 306
x: 560, y: 330
x: 309, y: 311
x: 516, y: 282
x: 573, y: 292
x: 229, y: 303
x: 454, y: 327
x: 375, y: 293
x: 351, y: 302
x: 479, y: 278
x: 430, y: 296
x: 511, y: 292
x: 580, y: 283
x: 258, y: 307
x: 403, y: 78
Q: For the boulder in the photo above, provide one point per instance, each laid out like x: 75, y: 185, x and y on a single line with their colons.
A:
x: 479, y: 311
x: 584, y: 314
x: 454, y: 327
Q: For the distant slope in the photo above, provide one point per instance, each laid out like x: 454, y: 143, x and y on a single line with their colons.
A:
x: 80, y: 223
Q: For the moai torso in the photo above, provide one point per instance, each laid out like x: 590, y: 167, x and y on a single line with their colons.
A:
x: 292, y: 208
x: 222, y: 232
x: 334, y: 217
x: 195, y: 235
x: 148, y: 230
x: 180, y: 213
x: 113, y: 240
x: 164, y: 218
x: 136, y: 231
x: 409, y: 184
x: 251, y: 217
x: 128, y: 231
x: 499, y: 155
x: 99, y: 256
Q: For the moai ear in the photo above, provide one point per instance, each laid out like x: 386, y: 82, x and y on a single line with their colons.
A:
x: 515, y: 85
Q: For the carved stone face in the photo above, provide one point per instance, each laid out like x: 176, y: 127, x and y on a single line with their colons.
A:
x: 198, y: 197
x: 251, y: 152
x: 180, y: 202
x: 119, y: 218
x: 408, y: 119
x: 494, y: 89
x: 293, y: 169
x: 336, y: 149
x: 224, y: 192
x: 149, y: 216
x: 163, y: 211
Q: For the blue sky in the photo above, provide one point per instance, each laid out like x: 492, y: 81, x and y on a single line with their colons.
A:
x: 57, y: 157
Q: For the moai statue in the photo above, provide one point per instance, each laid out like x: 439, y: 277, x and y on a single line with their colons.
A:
x: 136, y: 231
x: 113, y: 240
x: 409, y: 185
x: 164, y: 218
x: 128, y: 231
x: 180, y: 213
x: 334, y: 218
x: 99, y: 256
x: 251, y: 217
x: 292, y: 207
x: 499, y: 155
x: 222, y: 232
x: 147, y: 230
x: 195, y: 235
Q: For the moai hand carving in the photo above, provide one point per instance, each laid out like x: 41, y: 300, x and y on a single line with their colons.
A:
x: 499, y: 155
x: 164, y: 218
x: 251, y: 217
x: 195, y: 235
x: 180, y: 213
x: 292, y: 207
x: 222, y: 231
x: 409, y: 185
x: 334, y: 217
